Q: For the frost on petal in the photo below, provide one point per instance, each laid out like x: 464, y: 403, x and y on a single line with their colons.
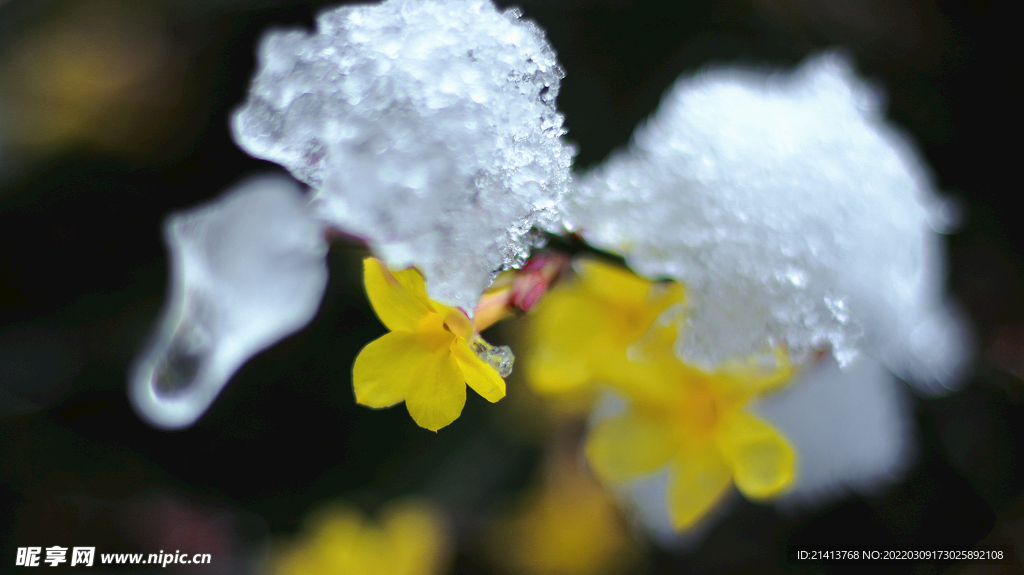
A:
x: 792, y: 214
x: 246, y: 270
x: 427, y: 127
x: 851, y: 430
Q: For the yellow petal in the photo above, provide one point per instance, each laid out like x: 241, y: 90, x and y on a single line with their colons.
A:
x: 649, y: 373
x: 412, y: 280
x: 761, y: 459
x: 611, y: 282
x: 480, y: 376
x: 637, y: 300
x: 398, y: 298
x: 624, y: 446
x: 566, y: 341
x: 438, y: 394
x: 388, y: 367
x: 334, y: 544
x: 598, y: 330
x: 759, y: 373
x: 409, y: 540
x: 698, y: 479
x: 415, y: 539
x: 494, y: 304
x: 455, y: 319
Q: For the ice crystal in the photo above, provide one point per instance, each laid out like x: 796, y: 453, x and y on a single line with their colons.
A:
x: 246, y: 270
x: 793, y: 215
x: 426, y: 127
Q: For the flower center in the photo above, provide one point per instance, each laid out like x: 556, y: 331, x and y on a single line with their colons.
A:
x: 697, y: 411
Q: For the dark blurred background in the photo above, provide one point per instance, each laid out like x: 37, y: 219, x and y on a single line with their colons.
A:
x: 114, y: 113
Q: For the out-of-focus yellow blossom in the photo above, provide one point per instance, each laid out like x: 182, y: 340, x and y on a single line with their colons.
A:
x: 409, y: 540
x: 696, y: 423
x: 99, y: 72
x: 580, y: 329
x: 427, y: 359
x: 692, y: 421
x: 570, y: 526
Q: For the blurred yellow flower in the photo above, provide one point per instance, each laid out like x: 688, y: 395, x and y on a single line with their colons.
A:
x: 692, y: 421
x: 580, y: 329
x: 427, y: 359
x: 409, y: 540
x: 697, y: 424
x: 105, y: 73
x: 570, y: 526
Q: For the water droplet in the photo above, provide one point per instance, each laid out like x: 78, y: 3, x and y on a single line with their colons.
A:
x: 176, y: 372
x: 500, y: 357
x: 177, y: 368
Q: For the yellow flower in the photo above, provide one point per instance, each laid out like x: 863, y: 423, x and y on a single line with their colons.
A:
x: 580, y: 329
x: 567, y: 526
x: 427, y: 359
x: 409, y: 540
x: 695, y: 422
